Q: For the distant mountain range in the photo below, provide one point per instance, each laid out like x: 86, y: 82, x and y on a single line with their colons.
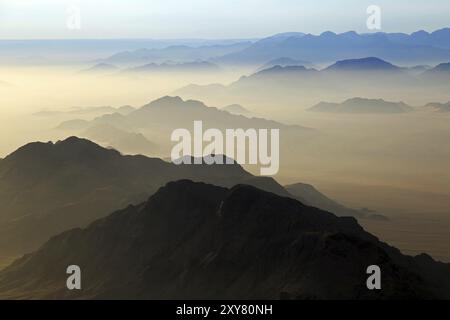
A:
x: 236, y: 109
x: 80, y: 51
x: 86, y: 111
x: 417, y: 48
x: 420, y: 47
x: 361, y: 105
x: 339, y: 80
x: 159, y: 118
x: 100, y: 68
x: 177, y: 53
x: 46, y: 188
x: 285, y: 62
x: 198, y: 241
x: 195, y: 66
x: 169, y: 113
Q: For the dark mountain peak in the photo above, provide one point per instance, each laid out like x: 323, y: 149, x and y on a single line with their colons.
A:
x: 180, y: 192
x: 73, y: 146
x: 420, y: 33
x: 75, y: 141
x: 328, y: 34
x: 247, y: 192
x: 302, y: 186
x: 199, y: 241
x: 363, y: 64
x: 72, y: 150
x: 30, y: 149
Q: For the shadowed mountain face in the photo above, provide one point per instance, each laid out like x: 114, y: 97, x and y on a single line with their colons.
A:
x: 361, y: 105
x: 46, y: 188
x: 192, y: 240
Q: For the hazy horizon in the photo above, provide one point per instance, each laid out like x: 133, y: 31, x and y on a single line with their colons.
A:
x: 200, y: 19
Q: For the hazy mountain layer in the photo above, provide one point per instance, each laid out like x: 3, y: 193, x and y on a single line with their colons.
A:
x: 178, y: 53
x: 173, y: 112
x: 361, y: 105
x: 438, y: 107
x: 196, y: 66
x: 236, y: 109
x: 309, y: 195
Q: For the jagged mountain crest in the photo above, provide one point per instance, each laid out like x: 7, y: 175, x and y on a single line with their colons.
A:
x: 198, y: 241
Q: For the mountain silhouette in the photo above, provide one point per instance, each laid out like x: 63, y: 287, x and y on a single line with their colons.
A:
x: 198, y: 241
x: 365, y: 64
x: 416, y: 48
x: 284, y: 62
x: 340, y: 79
x: 46, y: 188
x: 179, y: 53
x: 169, y: 113
x: 362, y: 105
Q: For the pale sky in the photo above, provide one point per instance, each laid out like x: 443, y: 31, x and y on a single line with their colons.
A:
x: 39, y: 19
